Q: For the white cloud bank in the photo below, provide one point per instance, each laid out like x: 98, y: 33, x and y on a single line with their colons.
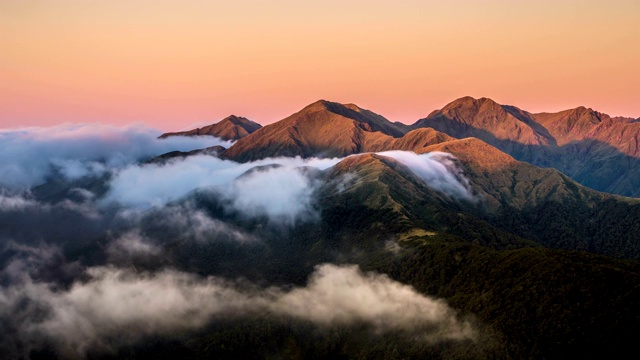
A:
x: 278, y: 188
x: 274, y: 187
x: 29, y: 155
x: 143, y: 186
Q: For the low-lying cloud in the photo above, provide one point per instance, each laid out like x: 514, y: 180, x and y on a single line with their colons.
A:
x: 186, y: 221
x: 119, y: 306
x: 280, y: 189
x: 344, y: 294
x: 144, y: 186
x: 283, y: 194
x: 132, y: 245
x: 29, y: 155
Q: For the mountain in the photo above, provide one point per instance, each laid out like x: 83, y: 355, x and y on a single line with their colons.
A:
x: 230, y: 128
x: 323, y: 129
x: 544, y: 205
x: 501, y: 180
x: 328, y: 129
x: 586, y: 124
x: 496, y: 256
x: 514, y: 204
x: 590, y: 147
x: 472, y: 117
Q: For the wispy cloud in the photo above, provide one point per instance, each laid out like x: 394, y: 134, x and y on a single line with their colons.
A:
x: 438, y: 170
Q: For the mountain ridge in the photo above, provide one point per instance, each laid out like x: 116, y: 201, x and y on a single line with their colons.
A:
x: 325, y: 129
x: 590, y: 147
x: 580, y: 142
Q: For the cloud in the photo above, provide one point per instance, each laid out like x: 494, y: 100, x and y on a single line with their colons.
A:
x: 185, y: 221
x: 437, y: 169
x: 120, y: 306
x: 28, y: 156
x: 41, y: 261
x: 23, y: 204
x: 343, y: 294
x: 114, y: 307
x: 132, y: 245
x: 278, y: 188
x: 282, y: 194
x: 14, y: 203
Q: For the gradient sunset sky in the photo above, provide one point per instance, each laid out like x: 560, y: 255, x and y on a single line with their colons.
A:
x: 175, y: 64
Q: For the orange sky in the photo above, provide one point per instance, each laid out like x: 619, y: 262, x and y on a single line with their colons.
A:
x: 173, y: 64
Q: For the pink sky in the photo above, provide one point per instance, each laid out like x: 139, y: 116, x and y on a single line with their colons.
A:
x: 173, y: 64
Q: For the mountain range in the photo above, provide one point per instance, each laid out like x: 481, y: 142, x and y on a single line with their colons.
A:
x: 513, y: 160
x: 590, y: 147
x: 594, y: 149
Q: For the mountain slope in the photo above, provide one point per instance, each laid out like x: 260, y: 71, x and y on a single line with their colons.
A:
x: 501, y: 180
x: 590, y: 147
x: 547, y: 303
x: 230, y: 128
x: 544, y: 205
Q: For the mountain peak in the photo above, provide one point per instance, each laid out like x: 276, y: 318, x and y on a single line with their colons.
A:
x: 365, y: 119
x: 230, y: 128
x: 236, y: 119
x: 571, y: 124
x: 486, y: 119
x: 346, y: 110
x: 468, y: 101
x: 317, y: 105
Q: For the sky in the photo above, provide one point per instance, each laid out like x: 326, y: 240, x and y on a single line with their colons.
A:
x: 176, y: 64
